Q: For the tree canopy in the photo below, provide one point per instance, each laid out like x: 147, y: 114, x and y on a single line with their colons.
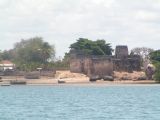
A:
x: 155, y: 58
x: 6, y: 55
x: 143, y: 52
x: 89, y: 47
x: 30, y: 53
x: 33, y: 51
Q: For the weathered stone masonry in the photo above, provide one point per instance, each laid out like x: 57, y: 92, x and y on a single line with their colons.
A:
x: 124, y: 62
x: 101, y: 66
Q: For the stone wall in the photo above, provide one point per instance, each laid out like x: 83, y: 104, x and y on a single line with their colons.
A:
x: 127, y: 65
x: 92, y: 65
x: 101, y: 66
x: 122, y: 61
x: 88, y: 64
x: 104, y: 65
x: 76, y: 64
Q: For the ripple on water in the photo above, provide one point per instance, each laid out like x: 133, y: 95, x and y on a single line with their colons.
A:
x: 79, y: 103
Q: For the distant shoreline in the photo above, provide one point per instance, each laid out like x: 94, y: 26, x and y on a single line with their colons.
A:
x: 99, y: 83
x: 68, y: 78
x: 95, y: 84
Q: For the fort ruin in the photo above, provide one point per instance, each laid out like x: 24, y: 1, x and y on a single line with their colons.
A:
x: 100, y: 67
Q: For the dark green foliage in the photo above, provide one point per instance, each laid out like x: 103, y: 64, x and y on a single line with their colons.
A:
x: 34, y: 49
x: 7, y: 55
x: 157, y: 73
x: 62, y: 64
x: 155, y: 58
x: 32, y: 53
x: 89, y: 47
x: 30, y: 50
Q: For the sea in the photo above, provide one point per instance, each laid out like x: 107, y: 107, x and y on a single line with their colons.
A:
x: 80, y: 102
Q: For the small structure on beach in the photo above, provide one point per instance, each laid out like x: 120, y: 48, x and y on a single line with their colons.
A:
x: 6, y: 65
x: 7, y: 68
x: 100, y: 67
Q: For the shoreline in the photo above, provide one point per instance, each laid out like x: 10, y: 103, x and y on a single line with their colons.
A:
x: 54, y: 82
x: 89, y: 85
x: 100, y: 83
x: 68, y: 78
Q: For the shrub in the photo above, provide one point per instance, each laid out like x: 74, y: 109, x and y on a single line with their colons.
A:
x: 155, y: 58
x: 157, y: 73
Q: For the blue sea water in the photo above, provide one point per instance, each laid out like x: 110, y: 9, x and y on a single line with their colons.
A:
x: 80, y: 102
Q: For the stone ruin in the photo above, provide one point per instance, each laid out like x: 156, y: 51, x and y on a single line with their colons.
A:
x: 122, y: 61
x: 102, y: 67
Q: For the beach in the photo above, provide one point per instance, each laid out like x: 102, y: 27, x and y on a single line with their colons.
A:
x: 66, y: 78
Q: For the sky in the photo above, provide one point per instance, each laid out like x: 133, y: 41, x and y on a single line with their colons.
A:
x: 135, y: 23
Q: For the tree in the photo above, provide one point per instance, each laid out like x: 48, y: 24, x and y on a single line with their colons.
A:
x: 143, y: 52
x: 7, y: 55
x: 0, y: 55
x: 32, y: 53
x: 155, y: 58
x: 89, y: 47
x: 62, y: 64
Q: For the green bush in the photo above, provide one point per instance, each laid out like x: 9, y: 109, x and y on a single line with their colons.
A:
x: 157, y: 73
x: 155, y: 58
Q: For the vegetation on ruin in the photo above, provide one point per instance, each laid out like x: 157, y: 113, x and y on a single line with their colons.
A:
x: 89, y: 47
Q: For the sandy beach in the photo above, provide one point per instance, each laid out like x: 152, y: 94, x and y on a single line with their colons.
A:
x: 68, y: 78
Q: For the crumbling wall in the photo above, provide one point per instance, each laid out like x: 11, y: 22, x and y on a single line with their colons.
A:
x: 135, y: 62
x: 122, y: 65
x: 127, y: 65
x: 77, y: 65
x: 77, y: 61
x: 88, y: 64
x: 92, y: 65
x: 124, y: 62
x: 102, y: 66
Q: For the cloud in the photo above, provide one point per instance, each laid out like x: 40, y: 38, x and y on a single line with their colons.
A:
x: 62, y: 22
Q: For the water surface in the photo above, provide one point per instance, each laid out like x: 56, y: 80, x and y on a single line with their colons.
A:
x: 80, y: 102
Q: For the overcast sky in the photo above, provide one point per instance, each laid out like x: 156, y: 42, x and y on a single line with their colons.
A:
x: 135, y: 23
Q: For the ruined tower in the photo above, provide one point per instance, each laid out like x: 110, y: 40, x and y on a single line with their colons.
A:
x: 121, y: 51
x: 125, y: 62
